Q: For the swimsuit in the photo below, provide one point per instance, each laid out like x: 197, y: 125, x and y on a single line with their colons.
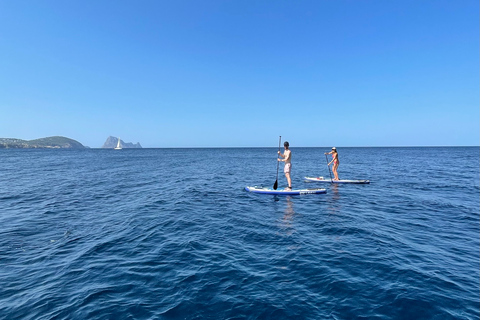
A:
x: 288, y: 167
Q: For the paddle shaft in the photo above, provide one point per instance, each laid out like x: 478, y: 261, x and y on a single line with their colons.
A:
x: 329, y: 171
x: 275, y: 185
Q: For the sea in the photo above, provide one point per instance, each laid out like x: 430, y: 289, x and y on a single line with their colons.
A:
x: 172, y: 234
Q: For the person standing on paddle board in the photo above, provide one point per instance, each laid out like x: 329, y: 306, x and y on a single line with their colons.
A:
x: 335, y: 161
x: 287, y: 158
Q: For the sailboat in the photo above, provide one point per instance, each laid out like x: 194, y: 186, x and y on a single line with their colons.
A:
x: 118, y: 145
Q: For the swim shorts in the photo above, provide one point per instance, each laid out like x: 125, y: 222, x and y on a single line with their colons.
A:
x: 288, y: 168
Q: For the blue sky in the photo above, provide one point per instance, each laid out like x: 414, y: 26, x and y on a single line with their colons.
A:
x: 241, y: 73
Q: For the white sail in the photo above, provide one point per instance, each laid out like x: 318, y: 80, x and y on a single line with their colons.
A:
x: 118, y: 145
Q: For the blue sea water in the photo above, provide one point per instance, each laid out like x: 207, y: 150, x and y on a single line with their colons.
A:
x: 172, y: 234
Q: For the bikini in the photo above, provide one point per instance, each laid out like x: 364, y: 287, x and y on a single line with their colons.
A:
x: 334, y: 159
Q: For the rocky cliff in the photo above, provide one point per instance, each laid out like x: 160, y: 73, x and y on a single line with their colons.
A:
x: 112, y: 143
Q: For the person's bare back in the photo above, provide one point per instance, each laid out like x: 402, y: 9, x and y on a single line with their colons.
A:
x: 288, y: 156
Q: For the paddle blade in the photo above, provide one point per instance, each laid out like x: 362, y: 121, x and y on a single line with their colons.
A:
x: 275, y: 185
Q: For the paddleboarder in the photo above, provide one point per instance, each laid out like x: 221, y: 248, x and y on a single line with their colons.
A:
x: 335, y: 162
x: 287, y: 158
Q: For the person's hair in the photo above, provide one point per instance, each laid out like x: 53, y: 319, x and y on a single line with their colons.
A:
x: 286, y: 144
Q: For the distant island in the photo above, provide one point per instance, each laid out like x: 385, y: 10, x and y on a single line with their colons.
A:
x: 112, y: 143
x: 56, y: 142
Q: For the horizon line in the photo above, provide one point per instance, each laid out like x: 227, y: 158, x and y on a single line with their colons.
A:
x: 326, y: 147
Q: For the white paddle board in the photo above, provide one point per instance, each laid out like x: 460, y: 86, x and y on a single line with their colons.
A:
x: 285, y: 192
x: 322, y: 179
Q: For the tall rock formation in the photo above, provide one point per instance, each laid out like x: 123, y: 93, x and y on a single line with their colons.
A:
x: 112, y: 143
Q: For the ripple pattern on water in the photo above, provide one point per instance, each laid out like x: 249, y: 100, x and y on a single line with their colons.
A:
x: 171, y: 234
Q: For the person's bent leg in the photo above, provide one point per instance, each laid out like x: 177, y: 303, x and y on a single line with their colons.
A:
x: 335, y: 173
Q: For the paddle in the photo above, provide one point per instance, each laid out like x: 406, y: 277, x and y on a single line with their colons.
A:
x: 275, y: 185
x: 329, y: 169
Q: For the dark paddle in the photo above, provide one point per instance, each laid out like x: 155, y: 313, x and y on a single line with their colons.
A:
x: 331, y: 180
x: 275, y: 185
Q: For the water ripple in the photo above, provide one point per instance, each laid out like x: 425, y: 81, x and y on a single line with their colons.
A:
x: 171, y: 234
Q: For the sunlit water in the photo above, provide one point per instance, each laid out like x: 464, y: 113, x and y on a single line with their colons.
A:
x: 172, y: 234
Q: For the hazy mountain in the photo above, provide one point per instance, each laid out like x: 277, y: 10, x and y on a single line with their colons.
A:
x: 56, y: 142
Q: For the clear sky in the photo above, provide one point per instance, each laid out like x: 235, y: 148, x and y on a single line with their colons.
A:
x: 239, y: 73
